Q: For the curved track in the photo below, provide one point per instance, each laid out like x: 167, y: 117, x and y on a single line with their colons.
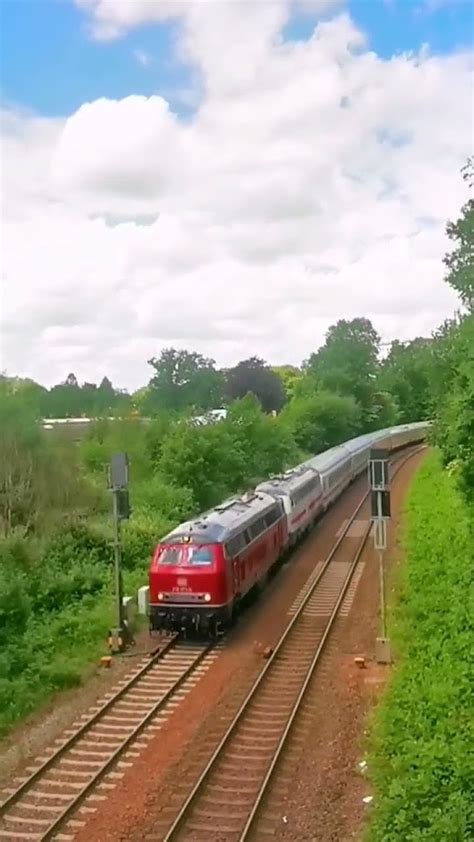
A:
x: 44, y: 802
x: 225, y: 801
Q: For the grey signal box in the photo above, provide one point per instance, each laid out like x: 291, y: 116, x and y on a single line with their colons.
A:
x: 119, y: 471
x: 123, y: 505
x: 379, y: 479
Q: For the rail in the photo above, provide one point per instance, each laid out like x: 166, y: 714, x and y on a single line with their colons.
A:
x: 139, y: 712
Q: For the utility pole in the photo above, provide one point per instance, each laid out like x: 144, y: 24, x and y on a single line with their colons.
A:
x: 379, y: 482
x: 118, y: 485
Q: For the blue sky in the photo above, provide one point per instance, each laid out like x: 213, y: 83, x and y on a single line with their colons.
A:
x: 51, y: 65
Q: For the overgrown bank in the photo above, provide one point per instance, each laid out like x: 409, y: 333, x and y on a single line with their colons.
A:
x: 422, y: 761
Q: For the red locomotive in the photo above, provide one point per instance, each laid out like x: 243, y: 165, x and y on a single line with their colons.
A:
x: 202, y: 570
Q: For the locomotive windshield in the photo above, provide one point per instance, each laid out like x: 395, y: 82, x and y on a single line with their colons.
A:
x: 189, y: 556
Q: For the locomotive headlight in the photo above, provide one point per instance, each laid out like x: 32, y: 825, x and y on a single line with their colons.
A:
x: 207, y: 597
x: 160, y: 597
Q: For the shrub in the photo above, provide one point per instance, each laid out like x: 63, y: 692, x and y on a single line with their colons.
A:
x: 322, y: 420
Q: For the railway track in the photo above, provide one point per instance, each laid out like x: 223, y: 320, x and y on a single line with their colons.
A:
x: 225, y: 801
x: 75, y: 772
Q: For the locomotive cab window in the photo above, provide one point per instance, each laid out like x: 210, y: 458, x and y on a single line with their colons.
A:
x: 199, y: 556
x: 170, y: 556
x: 190, y: 556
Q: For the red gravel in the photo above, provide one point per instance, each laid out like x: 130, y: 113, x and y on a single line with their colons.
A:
x: 325, y: 802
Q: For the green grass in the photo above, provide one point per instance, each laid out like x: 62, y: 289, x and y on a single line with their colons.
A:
x: 421, y: 759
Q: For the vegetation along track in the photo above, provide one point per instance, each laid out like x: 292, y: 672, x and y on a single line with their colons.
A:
x: 43, y: 803
x: 225, y: 801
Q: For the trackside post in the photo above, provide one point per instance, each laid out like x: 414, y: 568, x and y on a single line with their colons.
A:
x: 379, y: 482
x: 118, y: 485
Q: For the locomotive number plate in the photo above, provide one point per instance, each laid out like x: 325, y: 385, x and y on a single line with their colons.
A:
x: 182, y: 583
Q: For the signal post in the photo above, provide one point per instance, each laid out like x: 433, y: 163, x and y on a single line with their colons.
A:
x: 379, y: 483
x: 118, y: 485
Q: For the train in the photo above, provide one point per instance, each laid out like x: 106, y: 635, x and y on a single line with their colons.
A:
x: 202, y: 572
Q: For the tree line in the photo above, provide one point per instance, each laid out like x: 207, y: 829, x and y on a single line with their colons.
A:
x: 183, y: 381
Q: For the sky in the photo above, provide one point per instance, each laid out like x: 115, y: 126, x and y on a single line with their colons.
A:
x: 230, y: 177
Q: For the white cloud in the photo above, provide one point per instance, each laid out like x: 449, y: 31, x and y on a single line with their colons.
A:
x: 112, y: 18
x: 312, y: 183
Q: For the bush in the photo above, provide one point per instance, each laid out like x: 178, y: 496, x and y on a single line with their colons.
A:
x: 140, y: 537
x: 422, y: 769
x: 322, y: 420
x: 156, y: 496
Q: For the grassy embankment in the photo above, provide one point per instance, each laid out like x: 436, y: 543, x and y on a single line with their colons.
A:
x: 422, y: 764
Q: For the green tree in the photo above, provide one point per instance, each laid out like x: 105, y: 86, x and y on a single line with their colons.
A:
x: 348, y: 361
x: 29, y: 394
x: 206, y: 460
x: 460, y: 262
x: 183, y: 379
x: 322, y: 420
x: 267, y: 445
x: 39, y: 482
x: 454, y: 427
x: 383, y: 413
x: 65, y: 400
x: 216, y: 460
x: 290, y: 376
x: 407, y: 374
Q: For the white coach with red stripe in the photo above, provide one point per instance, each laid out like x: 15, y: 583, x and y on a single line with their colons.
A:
x: 301, y: 493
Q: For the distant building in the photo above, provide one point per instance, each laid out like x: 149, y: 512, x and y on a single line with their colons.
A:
x: 210, y: 417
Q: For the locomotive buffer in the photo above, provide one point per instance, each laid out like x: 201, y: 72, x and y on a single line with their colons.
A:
x: 379, y: 483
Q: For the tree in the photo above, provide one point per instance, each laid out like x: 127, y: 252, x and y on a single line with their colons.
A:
x: 290, y: 376
x: 28, y: 394
x: 206, y: 460
x: 69, y: 399
x: 38, y: 482
x: 348, y: 361
x: 254, y: 376
x: 267, y: 445
x: 407, y: 374
x: 383, y: 412
x: 183, y: 379
x: 65, y: 400
x: 216, y: 460
x: 454, y: 425
x: 460, y: 262
x: 71, y: 380
x: 322, y: 420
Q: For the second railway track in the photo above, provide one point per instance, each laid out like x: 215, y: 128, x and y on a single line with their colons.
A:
x: 224, y: 803
x: 41, y: 806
